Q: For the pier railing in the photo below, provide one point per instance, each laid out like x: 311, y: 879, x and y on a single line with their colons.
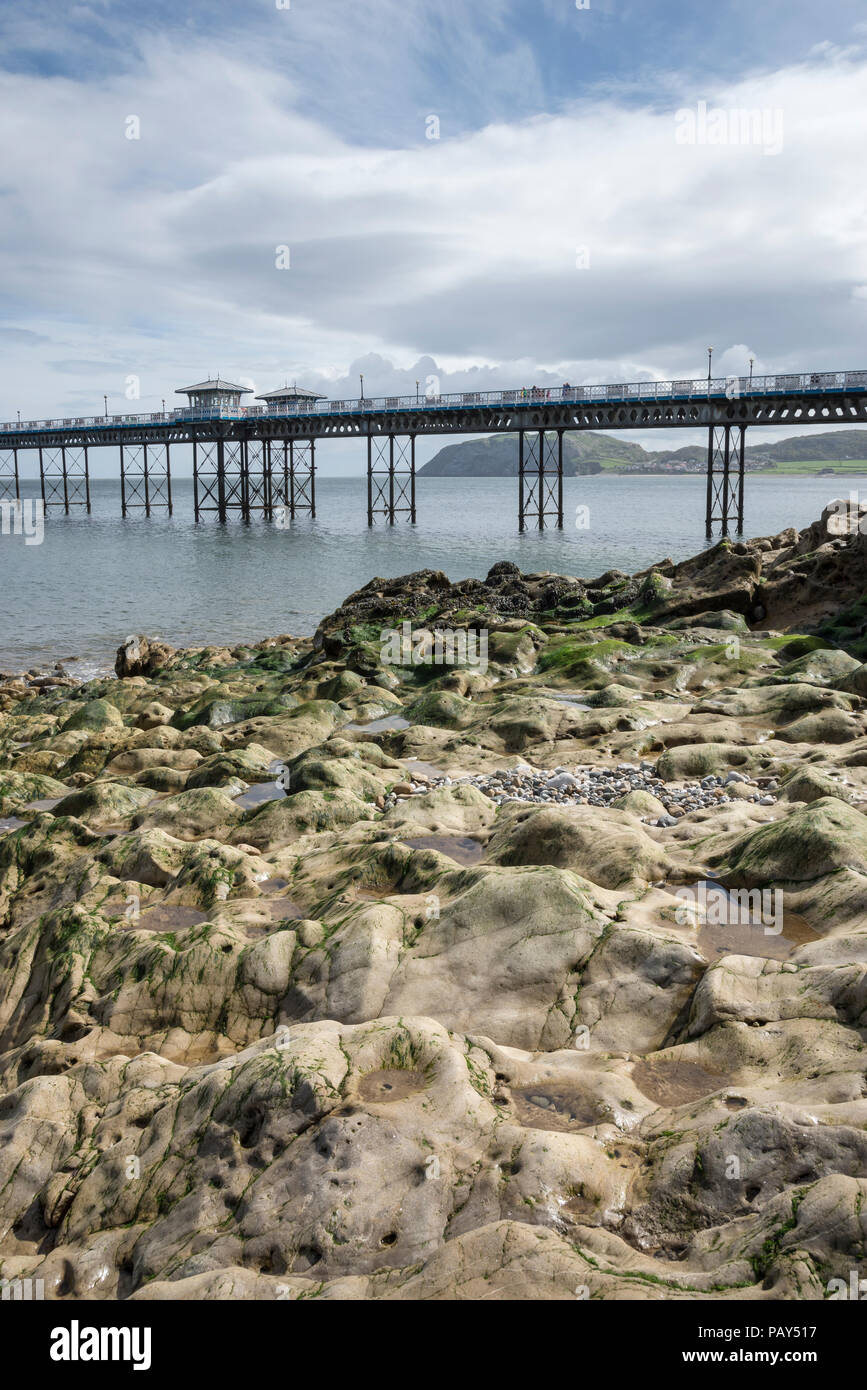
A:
x: 634, y: 392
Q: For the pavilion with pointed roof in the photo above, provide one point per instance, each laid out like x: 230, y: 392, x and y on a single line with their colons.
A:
x: 290, y: 395
x: 211, y: 395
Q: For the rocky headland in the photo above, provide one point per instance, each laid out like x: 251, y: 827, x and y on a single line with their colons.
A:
x: 327, y: 976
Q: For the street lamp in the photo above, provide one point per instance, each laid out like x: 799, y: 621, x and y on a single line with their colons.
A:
x: 752, y: 359
x: 164, y: 407
x: 361, y: 379
x: 416, y: 392
x: 709, y: 360
x: 105, y: 403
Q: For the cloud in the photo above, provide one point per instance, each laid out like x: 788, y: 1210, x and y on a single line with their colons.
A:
x: 580, y: 242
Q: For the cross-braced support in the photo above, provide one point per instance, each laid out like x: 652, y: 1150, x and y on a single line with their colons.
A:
x: 540, y: 478
x: 64, y: 477
x: 256, y: 488
x: 390, y: 477
x: 208, y: 478
x: 725, y: 477
x: 293, y: 476
x: 145, y: 478
x: 9, y: 488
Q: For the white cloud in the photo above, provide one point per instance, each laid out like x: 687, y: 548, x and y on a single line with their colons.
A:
x: 157, y: 256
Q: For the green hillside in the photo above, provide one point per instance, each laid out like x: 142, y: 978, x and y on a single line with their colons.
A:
x: 496, y: 456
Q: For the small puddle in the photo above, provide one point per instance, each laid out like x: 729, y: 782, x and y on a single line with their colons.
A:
x: 280, y: 908
x: 47, y: 803
x: 676, y: 1083
x: 738, y: 922
x: 388, y: 1085
x: 259, y: 793
x: 462, y: 848
x: 378, y: 726
x: 566, y: 699
x: 8, y: 823
x: 558, y: 1107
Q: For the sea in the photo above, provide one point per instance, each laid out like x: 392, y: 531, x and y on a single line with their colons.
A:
x: 95, y: 579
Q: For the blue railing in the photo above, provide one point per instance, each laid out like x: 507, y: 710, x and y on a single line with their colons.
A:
x: 638, y: 392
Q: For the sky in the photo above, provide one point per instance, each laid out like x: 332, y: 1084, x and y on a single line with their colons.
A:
x: 477, y: 195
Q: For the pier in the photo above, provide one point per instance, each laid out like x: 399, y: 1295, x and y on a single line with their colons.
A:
x: 260, y: 460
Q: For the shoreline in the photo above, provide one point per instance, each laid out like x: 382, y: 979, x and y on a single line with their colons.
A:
x: 559, y: 917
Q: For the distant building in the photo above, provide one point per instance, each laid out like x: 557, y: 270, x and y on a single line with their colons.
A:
x: 287, y: 396
x: 214, y: 395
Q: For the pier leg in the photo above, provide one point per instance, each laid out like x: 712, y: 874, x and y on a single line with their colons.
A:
x: 255, y: 491
x: 9, y: 485
x: 521, y: 524
x: 708, y: 511
x: 726, y: 452
x: 195, y: 480
x: 145, y: 481
x: 267, y: 480
x: 412, y: 480
x: 560, y: 479
x: 54, y: 478
x: 221, y: 479
x: 540, y: 478
x: 390, y: 478
x: 725, y: 477
x: 209, y: 478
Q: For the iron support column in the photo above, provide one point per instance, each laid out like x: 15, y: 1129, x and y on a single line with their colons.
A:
x: 412, y: 480
x: 520, y: 480
x: 560, y: 479
x: 221, y: 479
x: 727, y: 445
x: 391, y: 480
x: 195, y: 479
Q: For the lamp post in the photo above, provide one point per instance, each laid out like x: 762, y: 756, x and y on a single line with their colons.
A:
x: 164, y: 407
x: 752, y: 359
x: 709, y: 361
x: 416, y: 392
x: 105, y: 405
x: 361, y: 379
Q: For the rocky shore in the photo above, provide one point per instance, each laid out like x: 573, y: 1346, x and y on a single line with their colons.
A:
x: 327, y: 976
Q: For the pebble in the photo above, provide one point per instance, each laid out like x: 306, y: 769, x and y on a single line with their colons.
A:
x: 599, y: 786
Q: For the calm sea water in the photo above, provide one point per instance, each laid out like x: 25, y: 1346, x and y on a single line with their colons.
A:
x: 95, y: 579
